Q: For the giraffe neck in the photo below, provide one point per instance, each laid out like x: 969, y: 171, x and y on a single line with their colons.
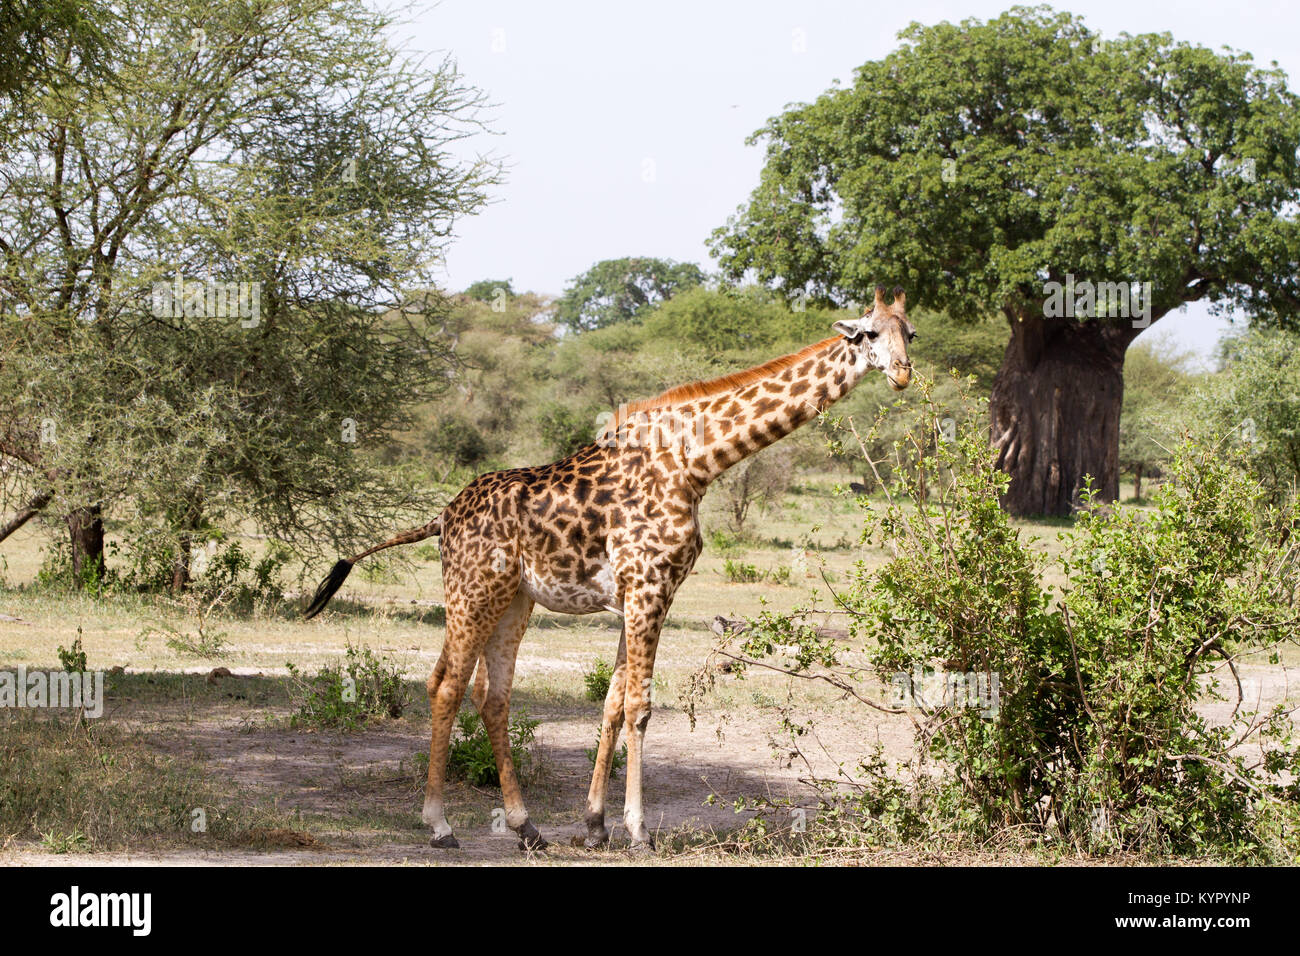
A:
x: 711, y: 426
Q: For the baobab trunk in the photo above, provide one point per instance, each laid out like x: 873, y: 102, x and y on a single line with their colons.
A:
x: 1055, y: 410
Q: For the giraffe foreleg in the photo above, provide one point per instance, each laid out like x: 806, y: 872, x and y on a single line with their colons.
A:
x: 644, y: 618
x: 611, y: 724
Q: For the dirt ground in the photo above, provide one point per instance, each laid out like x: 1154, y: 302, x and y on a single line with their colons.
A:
x: 358, y: 794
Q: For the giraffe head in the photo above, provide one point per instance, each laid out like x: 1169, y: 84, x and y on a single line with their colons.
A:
x: 881, y: 337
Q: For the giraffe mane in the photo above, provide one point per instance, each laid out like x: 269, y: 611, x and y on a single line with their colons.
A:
x: 723, y: 383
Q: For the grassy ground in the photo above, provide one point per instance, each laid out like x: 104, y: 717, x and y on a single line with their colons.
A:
x: 397, y: 608
x: 175, y: 741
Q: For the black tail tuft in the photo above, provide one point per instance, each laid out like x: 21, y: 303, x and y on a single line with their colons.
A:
x: 338, y: 574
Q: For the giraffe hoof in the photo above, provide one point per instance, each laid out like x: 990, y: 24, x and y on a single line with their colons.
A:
x: 530, y: 839
x: 642, y: 847
x: 447, y: 842
x: 596, y: 839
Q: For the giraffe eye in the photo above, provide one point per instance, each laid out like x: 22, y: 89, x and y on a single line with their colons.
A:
x: 871, y: 335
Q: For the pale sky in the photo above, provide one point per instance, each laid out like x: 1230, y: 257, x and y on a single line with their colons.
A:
x: 623, y: 125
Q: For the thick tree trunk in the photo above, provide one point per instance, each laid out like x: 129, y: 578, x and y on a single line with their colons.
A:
x: 1055, y: 411
x: 181, y: 567
x: 1137, y: 482
x: 86, y: 530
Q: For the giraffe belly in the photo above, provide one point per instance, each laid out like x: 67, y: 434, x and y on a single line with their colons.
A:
x: 595, y: 590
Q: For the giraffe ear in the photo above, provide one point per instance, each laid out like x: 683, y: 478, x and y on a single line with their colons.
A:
x: 850, y: 330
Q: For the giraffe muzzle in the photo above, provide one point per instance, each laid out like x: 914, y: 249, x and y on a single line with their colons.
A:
x: 899, y: 376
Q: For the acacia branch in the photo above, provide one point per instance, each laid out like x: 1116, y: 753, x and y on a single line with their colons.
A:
x: 29, y: 511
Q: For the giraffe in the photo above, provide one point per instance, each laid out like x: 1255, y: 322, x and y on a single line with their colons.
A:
x: 613, y: 527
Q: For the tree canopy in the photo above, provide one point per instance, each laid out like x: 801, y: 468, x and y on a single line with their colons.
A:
x: 204, y: 262
x: 616, y: 290
x: 986, y: 165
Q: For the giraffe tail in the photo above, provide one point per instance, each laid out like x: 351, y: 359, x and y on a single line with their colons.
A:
x: 343, y: 567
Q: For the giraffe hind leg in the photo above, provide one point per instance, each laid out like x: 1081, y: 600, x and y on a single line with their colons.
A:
x: 469, y: 629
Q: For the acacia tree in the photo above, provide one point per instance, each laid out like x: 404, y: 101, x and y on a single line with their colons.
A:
x: 615, y: 290
x: 43, y: 39
x: 278, y: 166
x: 982, y: 165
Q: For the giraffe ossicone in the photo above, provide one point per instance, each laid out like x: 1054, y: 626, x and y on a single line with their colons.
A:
x: 613, y: 527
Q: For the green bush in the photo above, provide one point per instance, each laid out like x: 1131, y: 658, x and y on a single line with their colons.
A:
x: 470, y: 757
x: 56, y: 573
x: 596, y: 680
x: 564, y: 429
x: 240, y: 584
x: 362, y: 687
x: 1255, y: 403
x: 739, y: 572
x: 452, y: 439
x: 1093, y: 737
x: 148, y: 563
x: 73, y: 659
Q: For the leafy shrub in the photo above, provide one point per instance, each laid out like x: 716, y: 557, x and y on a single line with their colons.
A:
x: 1094, y: 737
x: 56, y: 573
x: 363, y: 686
x: 726, y: 544
x: 470, y: 757
x: 148, y: 563
x: 73, y: 659
x: 738, y: 572
x: 564, y: 429
x: 1255, y: 402
x: 231, y: 574
x: 596, y: 680
x: 452, y: 439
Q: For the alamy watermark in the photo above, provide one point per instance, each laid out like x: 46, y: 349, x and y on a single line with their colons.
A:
x: 653, y: 429
x: 208, y: 299
x: 127, y: 910
x: 932, y: 689
x: 1086, y: 299
x: 53, y: 689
